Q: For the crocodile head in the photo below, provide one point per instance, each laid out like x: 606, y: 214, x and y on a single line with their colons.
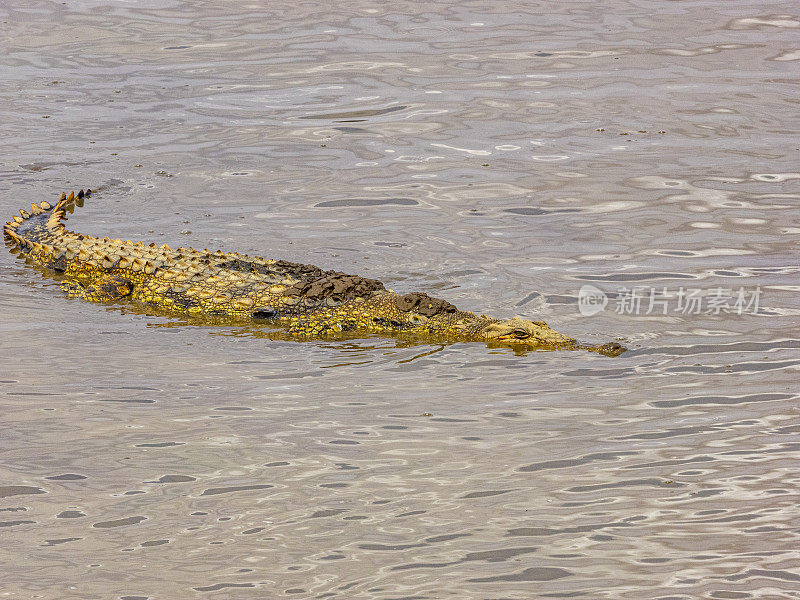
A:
x: 522, y: 331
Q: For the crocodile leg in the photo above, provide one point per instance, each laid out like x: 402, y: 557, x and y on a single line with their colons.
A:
x: 102, y: 289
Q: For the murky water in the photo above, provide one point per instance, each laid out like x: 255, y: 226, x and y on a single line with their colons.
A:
x: 498, y: 155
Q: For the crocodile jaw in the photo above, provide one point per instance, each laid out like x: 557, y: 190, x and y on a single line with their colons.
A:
x: 522, y: 331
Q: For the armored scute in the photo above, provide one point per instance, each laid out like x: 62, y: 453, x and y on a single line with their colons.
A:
x: 303, y: 299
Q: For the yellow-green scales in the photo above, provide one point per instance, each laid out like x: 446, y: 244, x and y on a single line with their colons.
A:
x: 304, y: 299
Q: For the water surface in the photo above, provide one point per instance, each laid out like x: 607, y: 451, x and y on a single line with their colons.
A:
x: 498, y: 155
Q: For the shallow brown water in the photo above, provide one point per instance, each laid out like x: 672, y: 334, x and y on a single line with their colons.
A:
x: 498, y: 155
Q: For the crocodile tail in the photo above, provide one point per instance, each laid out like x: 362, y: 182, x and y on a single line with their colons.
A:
x: 42, y: 216
x: 66, y: 203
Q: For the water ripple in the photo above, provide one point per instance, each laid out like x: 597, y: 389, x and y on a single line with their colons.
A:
x: 491, y: 154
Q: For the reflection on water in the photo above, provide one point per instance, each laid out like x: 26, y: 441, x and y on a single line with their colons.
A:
x: 493, y: 155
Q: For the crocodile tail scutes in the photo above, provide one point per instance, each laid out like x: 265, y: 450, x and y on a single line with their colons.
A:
x: 43, y: 215
x: 66, y: 203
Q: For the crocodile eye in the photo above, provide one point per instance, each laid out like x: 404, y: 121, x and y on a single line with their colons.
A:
x: 520, y: 334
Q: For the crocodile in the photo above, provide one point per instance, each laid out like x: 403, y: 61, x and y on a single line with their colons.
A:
x: 303, y: 299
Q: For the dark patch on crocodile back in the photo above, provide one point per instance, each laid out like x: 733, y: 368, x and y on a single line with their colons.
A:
x: 235, y: 264
x: 246, y: 266
x: 334, y: 285
x: 300, y: 271
x: 181, y: 300
x: 280, y: 267
x: 424, y: 304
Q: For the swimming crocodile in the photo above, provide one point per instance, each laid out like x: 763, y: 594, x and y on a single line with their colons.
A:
x: 304, y: 299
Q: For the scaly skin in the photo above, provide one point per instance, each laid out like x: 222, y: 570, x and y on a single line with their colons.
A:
x: 304, y: 299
